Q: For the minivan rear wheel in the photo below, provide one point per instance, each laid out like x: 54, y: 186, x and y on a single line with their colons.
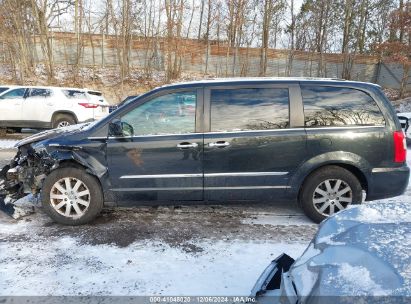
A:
x: 71, y: 196
x: 329, y: 190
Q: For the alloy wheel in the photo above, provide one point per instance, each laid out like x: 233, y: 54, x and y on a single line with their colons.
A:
x: 63, y: 124
x: 70, y: 197
x: 331, y: 196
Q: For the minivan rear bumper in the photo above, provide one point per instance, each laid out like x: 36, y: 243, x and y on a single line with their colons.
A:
x: 387, y: 182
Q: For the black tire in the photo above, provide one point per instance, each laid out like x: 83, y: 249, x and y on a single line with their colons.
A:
x: 320, y: 176
x: 95, y: 197
x: 63, y: 118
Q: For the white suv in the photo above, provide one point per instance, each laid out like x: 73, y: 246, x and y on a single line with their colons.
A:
x: 49, y: 107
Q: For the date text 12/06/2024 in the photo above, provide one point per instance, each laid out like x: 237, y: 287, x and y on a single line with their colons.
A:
x: 202, y: 299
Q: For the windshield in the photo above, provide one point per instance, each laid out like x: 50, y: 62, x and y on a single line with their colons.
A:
x: 2, y: 89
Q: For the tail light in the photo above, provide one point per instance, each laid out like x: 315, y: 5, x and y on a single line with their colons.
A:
x: 400, y: 147
x: 88, y: 105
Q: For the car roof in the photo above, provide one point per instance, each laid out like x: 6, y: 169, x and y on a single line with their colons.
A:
x: 8, y: 86
x: 266, y: 80
x: 47, y: 87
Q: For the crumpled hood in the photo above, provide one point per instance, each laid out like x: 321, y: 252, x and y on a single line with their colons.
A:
x: 53, y: 133
x: 363, y: 251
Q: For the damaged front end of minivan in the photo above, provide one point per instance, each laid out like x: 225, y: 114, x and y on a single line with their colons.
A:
x: 35, y: 159
x: 22, y: 176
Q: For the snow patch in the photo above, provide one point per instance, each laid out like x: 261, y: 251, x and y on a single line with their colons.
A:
x: 358, y: 282
x: 63, y: 266
x: 7, y: 143
x: 383, y: 214
x: 9, y: 226
x: 328, y: 239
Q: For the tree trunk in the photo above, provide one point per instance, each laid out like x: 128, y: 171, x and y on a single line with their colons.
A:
x: 264, y: 38
x: 404, y: 80
x: 201, y: 17
x: 292, y: 38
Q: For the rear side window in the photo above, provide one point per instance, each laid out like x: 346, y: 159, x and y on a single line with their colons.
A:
x: 74, y: 94
x: 249, y: 109
x: 39, y: 93
x: 336, y: 106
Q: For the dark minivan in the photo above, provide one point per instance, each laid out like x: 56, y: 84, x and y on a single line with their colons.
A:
x: 322, y: 142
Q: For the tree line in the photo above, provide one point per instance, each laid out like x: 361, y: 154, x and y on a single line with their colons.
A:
x: 347, y: 27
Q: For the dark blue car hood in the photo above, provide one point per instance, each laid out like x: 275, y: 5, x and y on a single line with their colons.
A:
x: 54, y: 133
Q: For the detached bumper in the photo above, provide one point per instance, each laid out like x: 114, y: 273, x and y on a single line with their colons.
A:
x: 387, y: 182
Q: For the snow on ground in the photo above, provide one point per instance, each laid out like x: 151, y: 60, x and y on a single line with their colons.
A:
x: 146, y: 251
x: 39, y: 258
x: 65, y: 267
x: 7, y: 143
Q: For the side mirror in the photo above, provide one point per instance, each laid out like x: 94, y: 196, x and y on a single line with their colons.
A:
x: 128, y: 129
x: 120, y: 128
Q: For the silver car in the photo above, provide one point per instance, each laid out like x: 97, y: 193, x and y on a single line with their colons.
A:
x: 362, y: 253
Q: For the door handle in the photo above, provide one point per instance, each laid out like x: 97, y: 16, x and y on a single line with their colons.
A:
x: 219, y: 144
x: 186, y: 145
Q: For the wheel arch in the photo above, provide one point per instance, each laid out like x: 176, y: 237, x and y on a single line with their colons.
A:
x: 70, y: 158
x: 349, y: 161
x: 64, y: 112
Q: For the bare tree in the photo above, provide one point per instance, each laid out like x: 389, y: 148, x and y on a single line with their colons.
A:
x: 270, y: 9
x: 16, y: 35
x: 201, y: 17
x: 207, y: 33
x: 291, y: 30
x: 347, y: 31
x: 398, y: 48
x: 174, y: 23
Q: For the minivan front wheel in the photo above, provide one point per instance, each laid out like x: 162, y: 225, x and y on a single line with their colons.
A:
x: 329, y: 190
x: 71, y: 196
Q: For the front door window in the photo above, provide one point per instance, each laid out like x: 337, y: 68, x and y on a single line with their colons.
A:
x: 172, y: 113
x: 14, y: 94
x: 163, y: 160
